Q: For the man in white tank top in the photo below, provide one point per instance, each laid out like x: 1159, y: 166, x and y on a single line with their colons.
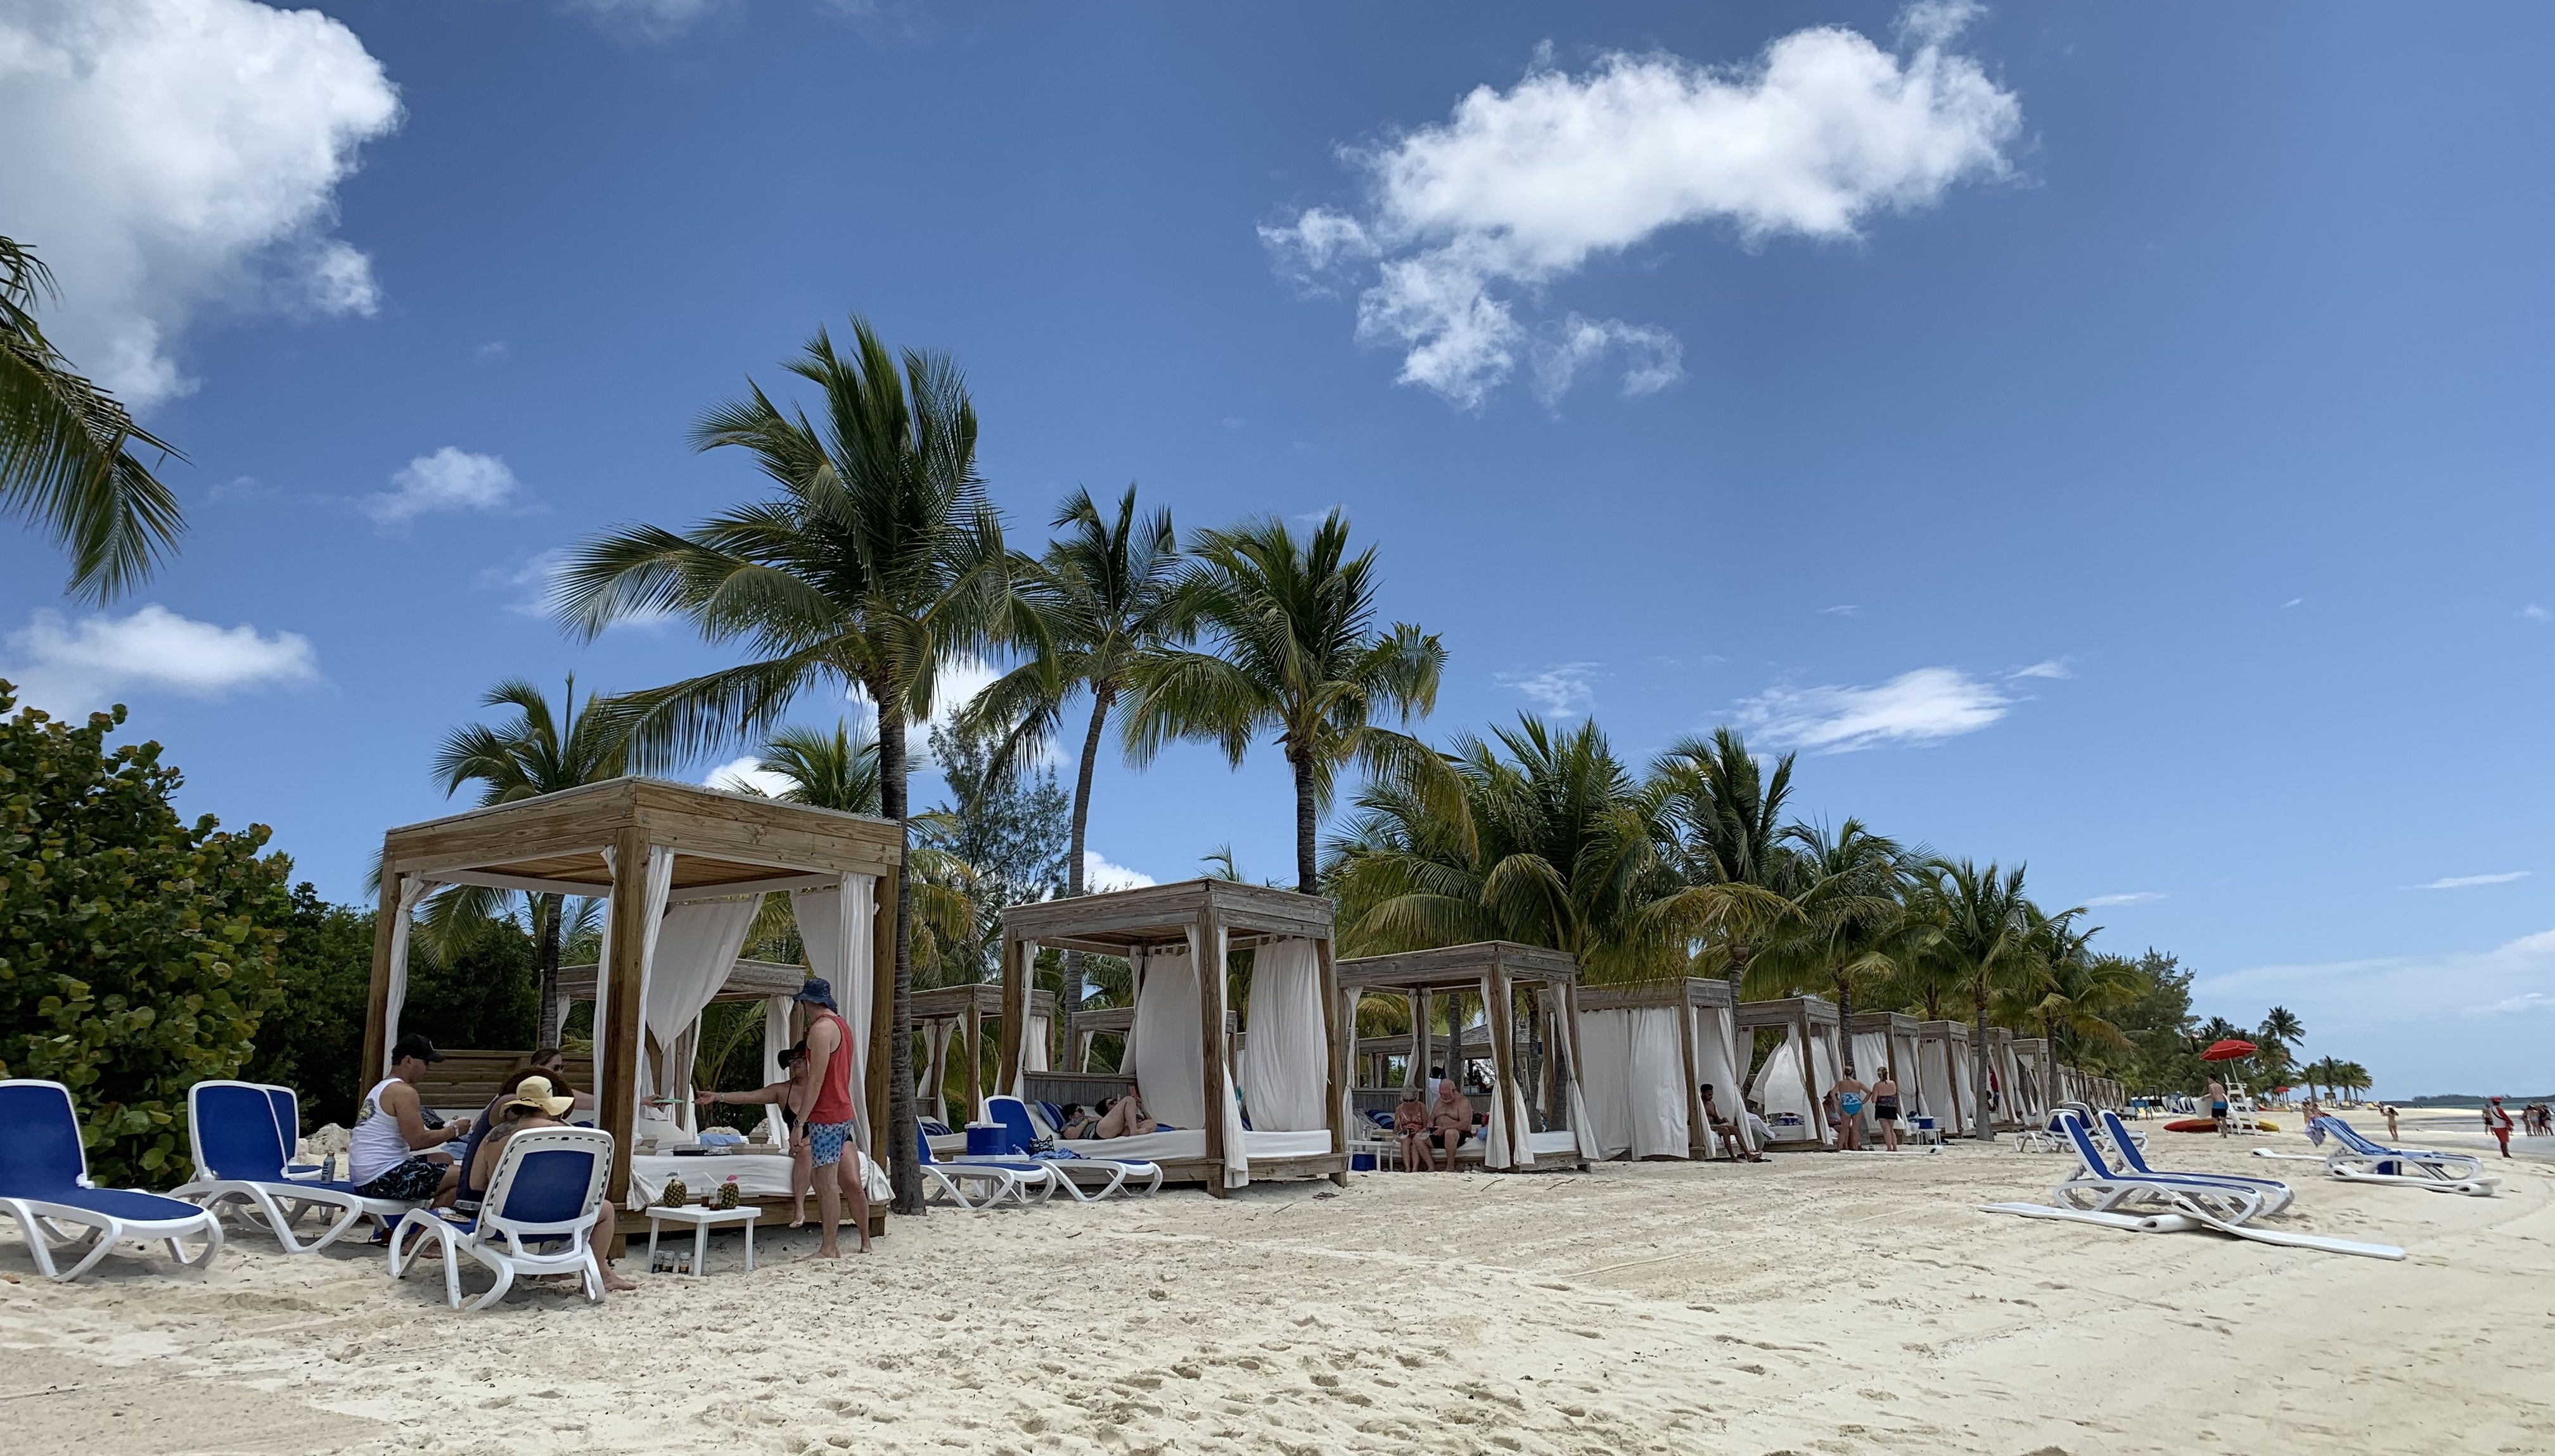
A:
x: 386, y: 1152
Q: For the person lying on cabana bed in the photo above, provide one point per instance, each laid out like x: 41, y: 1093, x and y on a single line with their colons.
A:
x: 1125, y: 1117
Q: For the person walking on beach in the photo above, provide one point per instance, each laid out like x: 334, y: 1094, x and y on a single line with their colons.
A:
x: 1885, y: 1108
x: 2386, y: 1110
x: 2497, y: 1123
x: 388, y: 1154
x: 825, y: 1118
x: 1849, y: 1097
x: 2217, y: 1105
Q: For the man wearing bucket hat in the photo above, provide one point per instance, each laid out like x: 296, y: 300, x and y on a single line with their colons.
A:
x: 823, y: 1098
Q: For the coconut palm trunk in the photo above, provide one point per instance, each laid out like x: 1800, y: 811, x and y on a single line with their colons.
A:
x: 1985, y: 1127
x: 904, y: 1165
x: 1077, y: 839
x: 551, y: 910
x: 1308, y: 879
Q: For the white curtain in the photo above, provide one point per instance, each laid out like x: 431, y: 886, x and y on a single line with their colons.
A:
x: 1965, y: 1100
x: 930, y: 1090
x: 1659, y: 1126
x: 1778, y: 1084
x: 657, y: 885
x: 1033, y: 1047
x: 835, y: 926
x: 1870, y: 1055
x: 1574, y: 1103
x: 1164, y: 1053
x: 1716, y: 1066
x: 411, y: 891
x: 1606, y: 1076
x: 776, y: 1040
x: 1210, y: 960
x: 1286, y: 1060
x: 1824, y: 1074
x: 1496, y: 1137
x: 697, y: 947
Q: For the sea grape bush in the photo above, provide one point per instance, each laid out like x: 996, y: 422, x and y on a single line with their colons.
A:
x: 137, y: 953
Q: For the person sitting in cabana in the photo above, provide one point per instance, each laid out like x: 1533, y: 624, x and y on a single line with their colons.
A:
x: 1450, y: 1117
x: 1725, y: 1130
x: 1411, y: 1123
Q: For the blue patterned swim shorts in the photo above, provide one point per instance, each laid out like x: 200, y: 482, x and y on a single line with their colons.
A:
x: 826, y: 1142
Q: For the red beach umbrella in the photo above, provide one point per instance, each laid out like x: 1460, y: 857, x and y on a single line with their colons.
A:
x: 2229, y: 1050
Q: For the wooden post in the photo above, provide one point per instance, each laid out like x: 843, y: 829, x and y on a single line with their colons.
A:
x: 1018, y: 975
x: 876, y: 1094
x: 1212, y: 1044
x: 377, y: 1006
x: 972, y: 1027
x: 1498, y: 1024
x: 1810, y: 1070
x: 1698, y: 1127
x: 1339, y: 1027
x: 1569, y: 992
x: 617, y: 1097
x: 1423, y: 1041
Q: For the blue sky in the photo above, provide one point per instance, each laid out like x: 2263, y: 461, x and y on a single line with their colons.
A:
x: 2109, y: 441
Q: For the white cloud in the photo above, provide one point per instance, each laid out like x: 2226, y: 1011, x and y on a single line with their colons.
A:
x: 2292, y: 602
x: 1100, y: 875
x: 2053, y: 667
x: 1927, y: 705
x: 1563, y: 691
x: 1842, y: 609
x: 76, y: 667
x: 169, y: 155
x: 740, y: 776
x: 2462, y: 882
x: 2535, y: 613
x: 654, y: 19
x: 493, y: 350
x: 1652, y: 358
x: 450, y: 479
x: 2134, y: 897
x: 1519, y: 188
x: 2445, y: 1021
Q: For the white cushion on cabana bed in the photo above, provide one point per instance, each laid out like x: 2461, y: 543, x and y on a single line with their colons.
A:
x: 1184, y: 1143
x: 758, y: 1176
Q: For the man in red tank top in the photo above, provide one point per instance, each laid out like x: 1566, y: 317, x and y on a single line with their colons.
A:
x: 826, y: 1118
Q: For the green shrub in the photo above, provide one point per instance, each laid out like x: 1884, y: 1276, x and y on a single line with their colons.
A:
x: 137, y: 953
x: 314, y: 1041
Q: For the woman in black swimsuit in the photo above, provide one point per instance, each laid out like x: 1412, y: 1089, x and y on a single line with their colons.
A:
x: 1885, y: 1108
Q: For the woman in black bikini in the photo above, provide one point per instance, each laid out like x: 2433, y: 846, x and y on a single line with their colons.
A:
x: 1885, y: 1108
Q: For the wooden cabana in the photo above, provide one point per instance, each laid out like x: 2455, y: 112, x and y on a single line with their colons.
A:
x: 772, y: 983
x: 1089, y: 1024
x: 683, y: 868
x: 1945, y: 1071
x: 1177, y: 940
x: 1649, y: 1051
x: 1792, y: 1084
x: 2006, y: 1111
x: 947, y: 1014
x: 2034, y: 1087
x: 1886, y: 1039
x: 1537, y: 1115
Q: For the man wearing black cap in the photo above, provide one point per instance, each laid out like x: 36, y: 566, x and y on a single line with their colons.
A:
x: 385, y: 1154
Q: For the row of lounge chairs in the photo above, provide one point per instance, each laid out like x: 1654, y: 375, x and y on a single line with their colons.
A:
x: 1033, y: 1167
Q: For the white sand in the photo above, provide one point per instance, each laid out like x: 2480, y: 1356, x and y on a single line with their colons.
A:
x: 1821, y: 1303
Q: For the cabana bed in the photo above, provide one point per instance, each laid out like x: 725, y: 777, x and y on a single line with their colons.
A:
x: 2009, y: 1112
x: 1547, y: 1093
x: 1797, y: 1075
x: 1649, y: 1052
x: 683, y: 868
x: 1180, y: 1042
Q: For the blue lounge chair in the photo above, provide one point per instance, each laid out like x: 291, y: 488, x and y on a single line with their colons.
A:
x: 2209, y: 1199
x: 44, y: 1183
x: 997, y: 1179
x: 1111, y: 1173
x: 2357, y: 1159
x: 544, y: 1200
x: 2276, y: 1194
x: 241, y: 1155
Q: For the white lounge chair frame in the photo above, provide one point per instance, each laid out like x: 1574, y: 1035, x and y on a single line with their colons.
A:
x: 499, y: 1242
x: 43, y: 1222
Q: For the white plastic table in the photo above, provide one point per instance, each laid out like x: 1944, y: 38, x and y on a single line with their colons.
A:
x: 702, y: 1221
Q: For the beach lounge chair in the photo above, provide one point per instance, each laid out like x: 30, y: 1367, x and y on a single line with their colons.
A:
x: 2357, y: 1159
x: 43, y: 1183
x: 543, y: 1203
x: 1026, y: 1131
x: 241, y: 1155
x: 2276, y: 1194
x: 2209, y: 1199
x: 997, y: 1179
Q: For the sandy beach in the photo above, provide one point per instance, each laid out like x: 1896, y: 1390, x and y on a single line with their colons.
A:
x: 1828, y: 1304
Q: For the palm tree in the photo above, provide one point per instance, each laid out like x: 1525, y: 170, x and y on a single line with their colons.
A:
x: 541, y: 751
x: 2068, y: 993
x: 2281, y: 1027
x: 1104, y: 596
x: 1721, y: 816
x: 830, y: 770
x: 69, y: 451
x: 1295, y: 652
x: 1551, y: 848
x: 1986, y: 931
x: 879, y: 562
x: 1848, y: 924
